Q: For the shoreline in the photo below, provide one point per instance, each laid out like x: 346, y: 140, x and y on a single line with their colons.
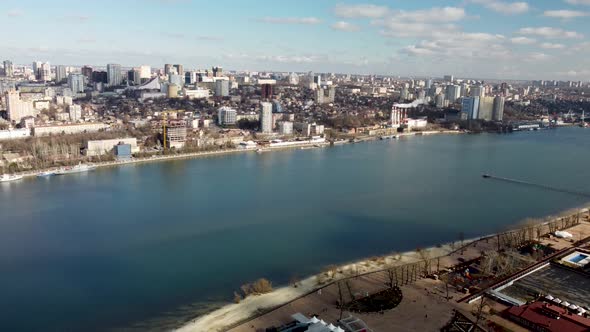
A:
x: 233, y: 315
x: 194, y: 155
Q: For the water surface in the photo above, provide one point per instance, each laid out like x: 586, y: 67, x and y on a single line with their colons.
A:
x: 120, y: 246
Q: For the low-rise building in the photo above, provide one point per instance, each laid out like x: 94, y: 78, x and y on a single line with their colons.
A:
x: 100, y: 147
x: 286, y: 128
x: 69, y: 129
x: 15, y: 133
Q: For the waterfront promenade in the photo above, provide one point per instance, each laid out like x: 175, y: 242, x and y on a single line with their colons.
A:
x: 192, y: 155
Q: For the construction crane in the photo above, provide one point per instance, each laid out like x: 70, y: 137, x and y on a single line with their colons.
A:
x: 164, y: 128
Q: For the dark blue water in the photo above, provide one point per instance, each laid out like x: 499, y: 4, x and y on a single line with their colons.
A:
x: 119, y: 246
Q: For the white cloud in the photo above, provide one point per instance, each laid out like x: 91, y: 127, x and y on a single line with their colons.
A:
x: 565, y: 14
x: 420, y: 23
x: 345, y: 26
x: 433, y: 15
x: 291, y: 20
x: 462, y: 45
x: 548, y: 32
x: 578, y: 2
x: 523, y: 40
x: 277, y: 58
x: 360, y: 11
x: 552, y: 46
x: 537, y: 56
x: 582, y: 73
x: 15, y: 13
x: 506, y: 8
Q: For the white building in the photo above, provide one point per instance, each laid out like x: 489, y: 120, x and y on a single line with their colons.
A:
x: 76, y: 82
x: 45, y: 72
x: 16, y: 108
x: 226, y: 116
x: 486, y: 108
x: 75, y: 112
x: 453, y: 93
x: 69, y: 129
x: 198, y: 93
x: 145, y: 71
x: 100, y: 147
x: 286, y: 128
x: 266, y: 118
x: 15, y: 133
x: 477, y: 91
x: 293, y: 79
x: 114, y: 77
x: 61, y: 74
x: 498, y: 111
x: 222, y: 88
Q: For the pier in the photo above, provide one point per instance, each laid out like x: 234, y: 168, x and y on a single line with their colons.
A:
x: 538, y: 185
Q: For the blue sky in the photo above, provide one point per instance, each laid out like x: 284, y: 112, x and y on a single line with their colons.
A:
x: 545, y: 39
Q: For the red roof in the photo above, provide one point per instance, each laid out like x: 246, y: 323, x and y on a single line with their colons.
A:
x: 549, y: 317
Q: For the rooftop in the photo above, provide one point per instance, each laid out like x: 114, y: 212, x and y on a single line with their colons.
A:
x: 549, y: 317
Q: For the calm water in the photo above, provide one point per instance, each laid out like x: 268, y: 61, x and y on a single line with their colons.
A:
x: 120, y: 246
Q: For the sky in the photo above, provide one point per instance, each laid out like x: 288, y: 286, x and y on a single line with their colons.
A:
x: 494, y: 39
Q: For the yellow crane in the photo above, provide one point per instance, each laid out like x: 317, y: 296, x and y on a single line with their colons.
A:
x: 164, y: 123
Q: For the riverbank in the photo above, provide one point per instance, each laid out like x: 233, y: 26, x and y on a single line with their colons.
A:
x: 193, y: 155
x: 236, y: 314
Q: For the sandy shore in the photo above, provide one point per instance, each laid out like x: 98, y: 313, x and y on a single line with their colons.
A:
x: 231, y: 314
x: 192, y: 155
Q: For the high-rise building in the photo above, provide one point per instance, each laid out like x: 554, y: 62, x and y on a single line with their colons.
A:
x: 75, y: 112
x: 167, y: 69
x: 176, y: 79
x: 145, y: 72
x: 100, y: 77
x: 285, y: 128
x: 266, y: 91
x: 317, y: 79
x: 87, y: 71
x: 429, y: 83
x: 37, y: 69
x: 403, y: 95
x: 453, y: 93
x: 61, y: 73
x: 16, y: 108
x: 217, y: 71
x: 439, y: 100
x: 293, y: 79
x: 8, y: 68
x: 325, y: 94
x: 277, y: 107
x: 498, y: 112
x: 226, y: 116
x: 222, y: 88
x: 76, y: 82
x: 449, y: 78
x: 45, y: 72
x: 486, y: 108
x: 114, y: 77
x: 477, y: 91
x: 266, y: 117
x: 470, y: 108
x: 179, y: 70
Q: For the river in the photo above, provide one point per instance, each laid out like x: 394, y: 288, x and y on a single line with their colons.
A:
x: 149, y: 245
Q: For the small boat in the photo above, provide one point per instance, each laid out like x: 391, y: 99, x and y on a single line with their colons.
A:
x: 75, y: 169
x: 45, y: 174
x: 486, y: 176
x: 10, y: 177
x: 261, y: 150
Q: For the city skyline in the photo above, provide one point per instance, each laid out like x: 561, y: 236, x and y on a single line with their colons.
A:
x: 468, y: 38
